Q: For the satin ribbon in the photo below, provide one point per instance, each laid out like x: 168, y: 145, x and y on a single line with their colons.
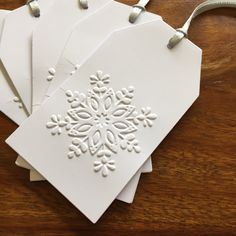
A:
x: 83, y: 4
x: 137, y: 10
x: 34, y: 6
x: 203, y: 7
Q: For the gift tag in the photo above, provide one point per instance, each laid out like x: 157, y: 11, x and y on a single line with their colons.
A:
x: 86, y: 37
x: 15, y: 48
x: 101, y: 126
x: 10, y: 103
x: 64, y: 15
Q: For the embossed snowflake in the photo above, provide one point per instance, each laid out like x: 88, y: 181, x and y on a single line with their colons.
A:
x: 101, y: 122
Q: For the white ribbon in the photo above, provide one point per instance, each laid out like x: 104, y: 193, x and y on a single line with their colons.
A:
x: 34, y: 6
x: 203, y: 7
x: 83, y: 4
x: 137, y: 10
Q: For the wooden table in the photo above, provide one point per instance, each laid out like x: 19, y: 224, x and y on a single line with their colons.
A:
x: 192, y: 190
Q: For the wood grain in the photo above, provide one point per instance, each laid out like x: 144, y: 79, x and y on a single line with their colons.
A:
x: 192, y: 190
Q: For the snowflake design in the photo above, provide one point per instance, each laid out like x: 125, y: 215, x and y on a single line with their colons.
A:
x: 101, y: 122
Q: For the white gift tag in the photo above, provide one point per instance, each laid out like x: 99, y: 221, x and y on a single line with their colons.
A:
x: 98, y: 129
x: 56, y: 28
x: 34, y: 175
x: 10, y: 103
x: 15, y: 48
x: 86, y: 37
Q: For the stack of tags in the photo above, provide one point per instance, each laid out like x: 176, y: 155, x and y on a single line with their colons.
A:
x: 97, y: 89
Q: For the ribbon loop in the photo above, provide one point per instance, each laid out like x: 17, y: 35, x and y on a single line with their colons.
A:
x: 203, y: 7
x: 83, y: 4
x: 137, y: 10
x: 34, y: 6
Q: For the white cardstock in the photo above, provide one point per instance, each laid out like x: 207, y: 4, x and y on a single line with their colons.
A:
x: 103, y: 123
x: 10, y: 103
x: 15, y: 48
x: 85, y: 38
x: 55, y: 28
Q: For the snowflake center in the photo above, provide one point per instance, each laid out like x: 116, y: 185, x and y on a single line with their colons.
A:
x: 102, y: 120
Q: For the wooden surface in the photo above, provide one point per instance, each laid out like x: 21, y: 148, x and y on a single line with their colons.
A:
x: 192, y: 190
